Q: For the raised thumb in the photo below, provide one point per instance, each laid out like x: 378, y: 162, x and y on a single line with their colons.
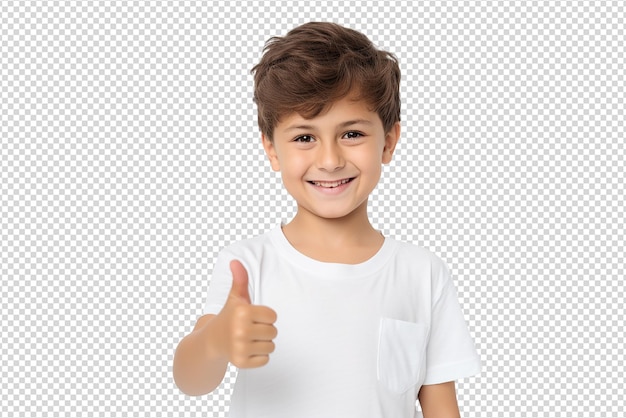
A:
x: 240, y: 281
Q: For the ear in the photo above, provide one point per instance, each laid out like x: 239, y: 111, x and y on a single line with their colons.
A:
x: 270, y: 151
x: 391, y: 140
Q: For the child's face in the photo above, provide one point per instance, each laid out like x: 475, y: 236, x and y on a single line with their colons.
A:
x: 330, y: 164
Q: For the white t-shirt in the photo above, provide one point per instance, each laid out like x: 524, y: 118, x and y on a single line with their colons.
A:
x: 354, y: 340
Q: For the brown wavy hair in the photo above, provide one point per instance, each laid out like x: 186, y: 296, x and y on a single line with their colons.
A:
x: 318, y: 63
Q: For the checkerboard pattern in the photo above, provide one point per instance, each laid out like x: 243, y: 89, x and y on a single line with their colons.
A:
x: 130, y: 155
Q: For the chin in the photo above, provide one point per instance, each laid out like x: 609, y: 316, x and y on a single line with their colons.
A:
x: 332, y: 214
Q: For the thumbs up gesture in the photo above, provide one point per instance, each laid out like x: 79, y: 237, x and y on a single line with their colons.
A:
x: 246, y: 330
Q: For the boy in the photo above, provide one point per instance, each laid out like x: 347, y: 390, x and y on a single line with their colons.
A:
x: 324, y: 316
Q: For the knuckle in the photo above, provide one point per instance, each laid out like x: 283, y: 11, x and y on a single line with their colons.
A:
x: 241, y: 313
x: 238, y: 333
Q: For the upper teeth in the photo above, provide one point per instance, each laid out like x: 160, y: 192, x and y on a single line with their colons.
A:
x: 330, y: 183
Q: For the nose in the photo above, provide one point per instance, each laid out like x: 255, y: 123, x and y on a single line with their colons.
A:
x: 329, y: 156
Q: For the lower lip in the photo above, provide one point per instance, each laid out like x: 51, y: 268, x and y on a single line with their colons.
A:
x: 332, y: 191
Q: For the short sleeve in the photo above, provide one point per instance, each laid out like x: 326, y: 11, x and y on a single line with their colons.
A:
x: 451, y: 353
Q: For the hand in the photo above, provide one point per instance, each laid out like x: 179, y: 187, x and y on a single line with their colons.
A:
x: 246, y: 330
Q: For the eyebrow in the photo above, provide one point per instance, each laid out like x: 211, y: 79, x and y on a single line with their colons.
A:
x: 341, y: 125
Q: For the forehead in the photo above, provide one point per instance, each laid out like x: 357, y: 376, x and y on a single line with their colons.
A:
x: 348, y: 110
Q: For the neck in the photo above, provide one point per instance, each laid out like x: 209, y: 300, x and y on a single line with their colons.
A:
x: 354, y: 228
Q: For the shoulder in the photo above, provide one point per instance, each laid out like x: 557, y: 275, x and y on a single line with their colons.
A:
x: 420, y: 259
x: 253, y: 244
x: 251, y: 250
x: 418, y: 255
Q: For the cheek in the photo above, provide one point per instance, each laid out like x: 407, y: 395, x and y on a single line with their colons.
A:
x: 369, y: 161
x: 292, y: 169
x: 295, y: 162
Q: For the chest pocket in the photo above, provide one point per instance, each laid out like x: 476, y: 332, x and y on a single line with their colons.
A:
x: 401, y: 351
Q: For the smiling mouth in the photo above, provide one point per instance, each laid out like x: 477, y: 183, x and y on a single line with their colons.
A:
x: 331, y: 184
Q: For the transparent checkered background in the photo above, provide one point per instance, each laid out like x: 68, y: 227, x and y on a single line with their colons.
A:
x: 130, y: 155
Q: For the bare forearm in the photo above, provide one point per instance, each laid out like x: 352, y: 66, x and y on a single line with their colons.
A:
x: 198, y: 368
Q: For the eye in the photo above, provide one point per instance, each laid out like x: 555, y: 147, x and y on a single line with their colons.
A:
x: 304, y: 139
x: 352, y: 135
